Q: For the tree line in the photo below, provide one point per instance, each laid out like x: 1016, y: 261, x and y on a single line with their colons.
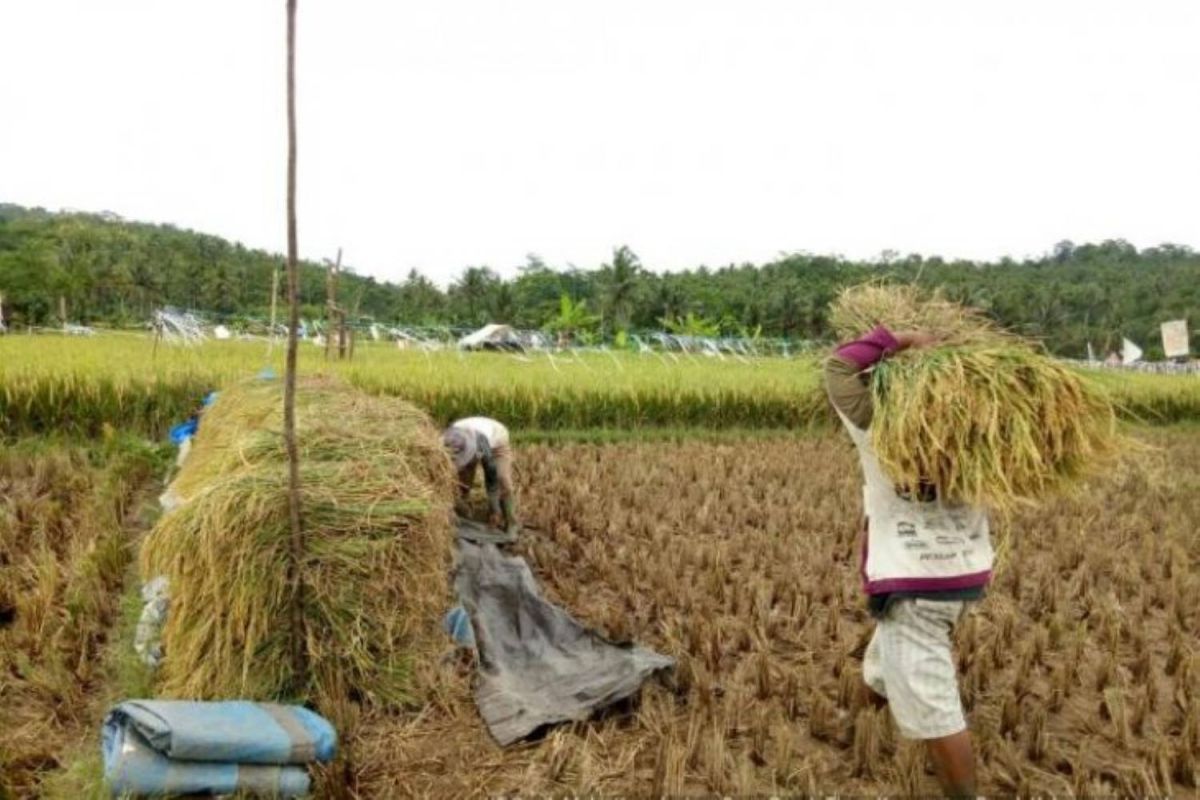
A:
x: 107, y: 270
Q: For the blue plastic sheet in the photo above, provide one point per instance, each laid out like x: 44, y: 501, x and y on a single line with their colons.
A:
x: 187, y: 429
x: 184, y: 431
x: 457, y: 623
x: 164, y: 747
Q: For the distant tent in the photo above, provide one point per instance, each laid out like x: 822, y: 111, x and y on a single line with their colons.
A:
x: 1130, y: 352
x: 491, y: 337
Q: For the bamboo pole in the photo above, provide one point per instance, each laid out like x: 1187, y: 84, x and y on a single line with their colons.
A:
x: 331, y: 308
x: 296, y: 539
x: 274, y: 302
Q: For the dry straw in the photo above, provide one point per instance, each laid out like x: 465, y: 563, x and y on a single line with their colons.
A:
x: 986, y: 417
x: 376, y: 504
x: 904, y: 307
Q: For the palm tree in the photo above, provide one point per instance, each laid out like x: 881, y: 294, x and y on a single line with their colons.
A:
x: 620, y: 282
x: 473, y: 289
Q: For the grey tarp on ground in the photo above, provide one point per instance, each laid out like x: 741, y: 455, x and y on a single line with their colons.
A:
x: 537, y: 665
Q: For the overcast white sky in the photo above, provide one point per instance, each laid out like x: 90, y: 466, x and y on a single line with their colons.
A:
x: 443, y: 134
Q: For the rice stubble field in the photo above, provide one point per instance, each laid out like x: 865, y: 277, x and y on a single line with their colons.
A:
x: 1080, y: 670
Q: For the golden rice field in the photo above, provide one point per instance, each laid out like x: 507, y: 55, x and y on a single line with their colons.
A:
x: 53, y: 384
x: 79, y: 385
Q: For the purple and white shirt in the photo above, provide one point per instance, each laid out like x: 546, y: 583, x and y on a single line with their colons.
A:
x: 912, y: 546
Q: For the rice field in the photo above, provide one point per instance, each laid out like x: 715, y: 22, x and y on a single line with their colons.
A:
x: 68, y: 515
x: 1080, y: 670
x: 81, y: 385
x: 735, y: 552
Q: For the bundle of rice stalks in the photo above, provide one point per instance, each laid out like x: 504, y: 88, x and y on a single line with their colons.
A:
x: 904, y: 307
x: 376, y: 501
x: 984, y: 417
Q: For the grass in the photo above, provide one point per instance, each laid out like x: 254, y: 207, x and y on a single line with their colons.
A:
x: 81, y: 776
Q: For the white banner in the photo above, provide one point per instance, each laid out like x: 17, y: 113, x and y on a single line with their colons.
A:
x: 1175, y: 338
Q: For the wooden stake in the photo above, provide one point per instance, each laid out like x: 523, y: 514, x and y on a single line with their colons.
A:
x: 296, y: 539
x: 62, y: 310
x: 274, y: 300
x: 348, y: 336
x: 331, y: 277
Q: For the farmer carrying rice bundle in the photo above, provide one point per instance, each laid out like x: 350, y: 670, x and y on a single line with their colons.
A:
x: 480, y: 441
x: 950, y: 418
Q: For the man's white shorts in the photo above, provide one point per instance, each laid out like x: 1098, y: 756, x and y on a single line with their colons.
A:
x: 910, y: 662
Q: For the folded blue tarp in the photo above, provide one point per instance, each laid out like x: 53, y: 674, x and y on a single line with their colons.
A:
x: 166, y: 747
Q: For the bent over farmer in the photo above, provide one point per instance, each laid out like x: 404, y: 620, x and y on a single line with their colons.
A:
x: 477, y: 441
x: 924, y: 563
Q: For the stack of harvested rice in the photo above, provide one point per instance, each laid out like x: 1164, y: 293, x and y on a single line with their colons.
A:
x: 985, y: 416
x: 377, y: 493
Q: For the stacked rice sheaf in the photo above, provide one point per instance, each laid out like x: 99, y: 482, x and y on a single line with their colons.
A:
x: 985, y: 416
x: 376, y: 500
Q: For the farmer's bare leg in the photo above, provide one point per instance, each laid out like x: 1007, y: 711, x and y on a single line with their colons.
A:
x: 910, y: 659
x: 503, y: 455
x: 466, y: 477
x: 954, y: 764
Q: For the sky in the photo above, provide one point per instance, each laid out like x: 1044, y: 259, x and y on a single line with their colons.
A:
x: 474, y: 132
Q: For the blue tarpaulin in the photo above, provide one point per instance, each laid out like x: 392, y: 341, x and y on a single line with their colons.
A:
x: 187, y: 429
x: 168, y: 747
x: 184, y: 431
